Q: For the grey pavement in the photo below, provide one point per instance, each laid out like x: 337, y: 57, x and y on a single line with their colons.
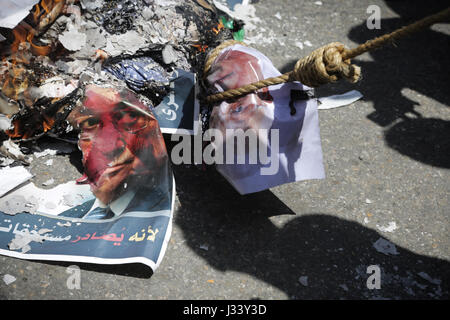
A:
x: 387, y: 161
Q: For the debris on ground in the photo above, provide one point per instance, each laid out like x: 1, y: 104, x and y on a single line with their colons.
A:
x: 386, y: 247
x: 339, y: 100
x: 303, y: 281
x: 23, y: 239
x: 8, y: 279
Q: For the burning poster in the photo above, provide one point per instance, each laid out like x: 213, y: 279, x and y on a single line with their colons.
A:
x: 120, y: 210
x: 179, y: 107
x: 155, y: 49
x: 267, y: 138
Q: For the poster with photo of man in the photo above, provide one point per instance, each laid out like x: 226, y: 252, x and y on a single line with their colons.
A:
x: 283, y: 118
x: 124, y: 200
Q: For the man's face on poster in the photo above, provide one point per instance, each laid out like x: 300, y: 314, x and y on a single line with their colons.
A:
x: 120, y: 140
x: 233, y: 69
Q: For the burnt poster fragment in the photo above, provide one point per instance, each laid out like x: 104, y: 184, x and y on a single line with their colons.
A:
x: 180, y: 108
x: 110, y: 77
x: 124, y: 210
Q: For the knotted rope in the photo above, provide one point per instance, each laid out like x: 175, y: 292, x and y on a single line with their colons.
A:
x: 324, y: 65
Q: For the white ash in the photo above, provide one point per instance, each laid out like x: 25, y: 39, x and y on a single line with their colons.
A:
x: 56, y: 87
x: 425, y: 276
x: 178, y: 25
x: 4, y: 162
x: 391, y: 227
x: 72, y: 200
x: 8, y: 279
x: 72, y: 39
x: 13, y: 205
x: 50, y: 205
x: 5, y: 123
x: 12, y: 150
x: 48, y: 182
x: 91, y: 4
x: 129, y: 42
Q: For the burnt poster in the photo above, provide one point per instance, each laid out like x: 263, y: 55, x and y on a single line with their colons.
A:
x: 119, y: 211
x: 180, y: 108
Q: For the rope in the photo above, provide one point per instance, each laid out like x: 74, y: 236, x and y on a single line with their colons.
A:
x: 324, y: 65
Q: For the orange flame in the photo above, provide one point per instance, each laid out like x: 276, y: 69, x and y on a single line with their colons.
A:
x: 200, y: 47
x: 15, y: 132
x: 15, y: 80
x: 220, y: 26
x: 48, y: 123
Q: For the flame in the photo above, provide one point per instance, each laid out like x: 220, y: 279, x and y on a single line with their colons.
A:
x: 15, y: 132
x: 22, y: 49
x: 37, y: 16
x: 46, y: 5
x: 23, y: 129
x: 24, y: 33
x: 200, y: 47
x: 48, y: 123
x: 220, y: 26
x: 15, y: 80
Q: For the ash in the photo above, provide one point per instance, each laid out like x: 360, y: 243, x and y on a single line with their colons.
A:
x: 120, y: 43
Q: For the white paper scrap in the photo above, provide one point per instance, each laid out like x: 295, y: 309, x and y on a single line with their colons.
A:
x: 389, y: 228
x: 14, y: 11
x: 5, y: 123
x: 339, y: 100
x: 8, y: 279
x: 12, y: 177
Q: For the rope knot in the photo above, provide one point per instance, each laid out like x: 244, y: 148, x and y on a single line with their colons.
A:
x: 324, y: 65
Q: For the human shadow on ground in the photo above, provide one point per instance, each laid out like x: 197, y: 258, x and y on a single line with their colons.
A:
x: 395, y: 77
x: 419, y: 63
x: 332, y: 253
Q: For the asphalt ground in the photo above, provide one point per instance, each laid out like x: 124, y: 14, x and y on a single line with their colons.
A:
x: 387, y: 160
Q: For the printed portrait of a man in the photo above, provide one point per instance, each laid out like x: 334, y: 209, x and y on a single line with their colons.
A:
x: 285, y: 122
x: 233, y: 69
x: 124, y: 155
x: 250, y: 113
